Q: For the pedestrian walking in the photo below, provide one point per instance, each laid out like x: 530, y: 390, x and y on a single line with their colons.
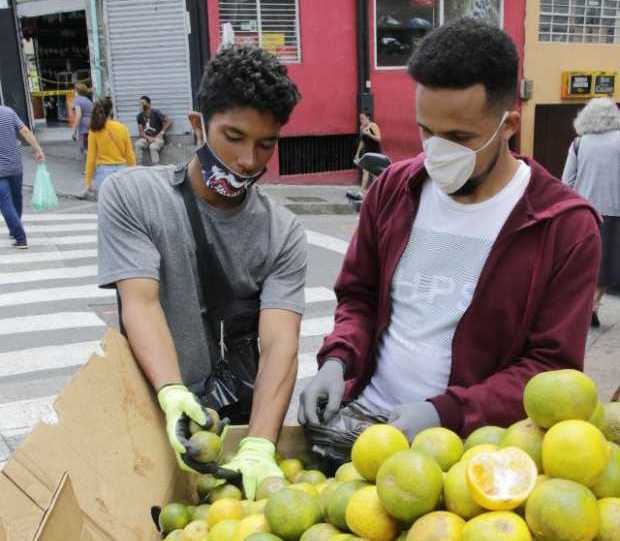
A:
x: 82, y: 108
x: 370, y: 141
x: 11, y: 172
x: 593, y: 169
x: 152, y: 125
x: 109, y: 147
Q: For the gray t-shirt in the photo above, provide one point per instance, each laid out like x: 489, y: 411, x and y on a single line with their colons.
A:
x: 87, y: 108
x: 10, y: 158
x: 144, y: 232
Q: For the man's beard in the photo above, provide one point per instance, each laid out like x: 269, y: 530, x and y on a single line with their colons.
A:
x: 475, y: 182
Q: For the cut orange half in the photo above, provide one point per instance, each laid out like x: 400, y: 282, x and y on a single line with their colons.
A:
x: 501, y: 480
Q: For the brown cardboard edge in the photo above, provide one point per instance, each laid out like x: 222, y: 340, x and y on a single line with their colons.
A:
x: 37, y: 486
x: 19, y: 513
x: 64, y: 494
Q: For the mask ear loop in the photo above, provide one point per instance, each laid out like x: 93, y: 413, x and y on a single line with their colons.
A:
x: 504, y: 117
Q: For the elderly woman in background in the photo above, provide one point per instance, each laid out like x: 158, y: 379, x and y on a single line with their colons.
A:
x: 593, y: 169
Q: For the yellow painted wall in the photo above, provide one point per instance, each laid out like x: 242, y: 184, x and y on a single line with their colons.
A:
x: 544, y: 63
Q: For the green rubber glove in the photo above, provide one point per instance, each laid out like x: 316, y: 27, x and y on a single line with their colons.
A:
x: 176, y: 401
x: 255, y: 460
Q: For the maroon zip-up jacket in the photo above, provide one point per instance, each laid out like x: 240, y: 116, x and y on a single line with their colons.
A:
x: 530, y: 311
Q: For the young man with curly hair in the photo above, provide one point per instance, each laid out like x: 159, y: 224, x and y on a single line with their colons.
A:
x: 147, y: 251
x: 472, y: 268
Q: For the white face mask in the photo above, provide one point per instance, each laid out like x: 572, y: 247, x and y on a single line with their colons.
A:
x: 451, y: 165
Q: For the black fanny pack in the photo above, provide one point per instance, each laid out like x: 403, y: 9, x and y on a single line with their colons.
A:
x: 231, y: 328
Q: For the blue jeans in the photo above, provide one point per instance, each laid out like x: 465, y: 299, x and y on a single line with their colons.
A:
x: 104, y: 171
x: 11, y: 205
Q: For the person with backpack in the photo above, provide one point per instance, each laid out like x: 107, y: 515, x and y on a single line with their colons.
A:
x: 593, y: 170
x: 109, y: 147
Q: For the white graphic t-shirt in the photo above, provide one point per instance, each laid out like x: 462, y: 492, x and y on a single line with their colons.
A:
x: 432, y: 288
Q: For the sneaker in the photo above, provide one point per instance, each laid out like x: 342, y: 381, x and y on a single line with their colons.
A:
x: 86, y: 195
x: 355, y: 196
x: 21, y: 244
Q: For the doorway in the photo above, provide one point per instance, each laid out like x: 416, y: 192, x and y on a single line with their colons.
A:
x: 56, y: 55
x: 553, y: 134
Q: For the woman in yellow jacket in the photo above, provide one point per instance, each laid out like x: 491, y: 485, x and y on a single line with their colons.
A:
x: 109, y: 147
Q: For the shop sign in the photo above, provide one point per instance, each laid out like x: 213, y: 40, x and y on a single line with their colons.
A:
x: 272, y: 41
x: 587, y: 84
x: 604, y: 83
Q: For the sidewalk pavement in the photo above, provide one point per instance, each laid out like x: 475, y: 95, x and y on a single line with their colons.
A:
x: 66, y: 167
x: 602, y: 361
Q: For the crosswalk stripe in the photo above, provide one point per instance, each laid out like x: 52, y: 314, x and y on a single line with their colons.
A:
x: 49, y: 322
x: 317, y: 294
x: 34, y: 296
x: 47, y: 274
x: 58, y: 217
x: 23, y: 414
x: 44, y: 257
x: 316, y: 326
x: 51, y: 241
x: 327, y: 241
x: 25, y: 361
x: 60, y: 228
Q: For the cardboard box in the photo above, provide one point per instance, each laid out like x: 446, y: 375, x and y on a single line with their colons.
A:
x: 94, y: 473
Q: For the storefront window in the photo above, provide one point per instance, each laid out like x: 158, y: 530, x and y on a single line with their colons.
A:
x: 489, y: 10
x: 579, y: 21
x: 271, y: 24
x: 401, y: 24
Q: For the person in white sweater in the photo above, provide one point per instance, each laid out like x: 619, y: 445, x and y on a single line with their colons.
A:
x: 593, y: 169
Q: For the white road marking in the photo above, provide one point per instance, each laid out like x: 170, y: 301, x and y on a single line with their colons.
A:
x: 317, y: 326
x: 24, y: 414
x: 61, y: 228
x: 44, y: 257
x: 313, y: 294
x: 51, y: 241
x: 57, y: 217
x: 26, y: 361
x: 327, y: 241
x: 47, y: 274
x: 35, y: 296
x: 4, y: 453
x: 49, y: 322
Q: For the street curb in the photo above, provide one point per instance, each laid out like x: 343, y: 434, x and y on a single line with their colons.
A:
x: 61, y: 195
x: 300, y: 209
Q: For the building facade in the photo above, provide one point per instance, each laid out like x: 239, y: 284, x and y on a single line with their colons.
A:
x: 347, y: 56
x: 577, y: 36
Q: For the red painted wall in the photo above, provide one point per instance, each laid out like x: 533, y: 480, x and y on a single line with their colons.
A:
x: 394, y: 90
x: 327, y: 79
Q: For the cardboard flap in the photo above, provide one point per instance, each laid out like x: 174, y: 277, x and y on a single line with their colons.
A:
x: 65, y: 520
x: 110, y: 438
x: 19, y: 515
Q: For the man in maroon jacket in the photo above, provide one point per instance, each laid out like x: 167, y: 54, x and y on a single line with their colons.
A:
x: 472, y: 269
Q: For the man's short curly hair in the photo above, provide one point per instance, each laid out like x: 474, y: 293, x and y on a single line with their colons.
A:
x: 247, y: 76
x: 467, y: 52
